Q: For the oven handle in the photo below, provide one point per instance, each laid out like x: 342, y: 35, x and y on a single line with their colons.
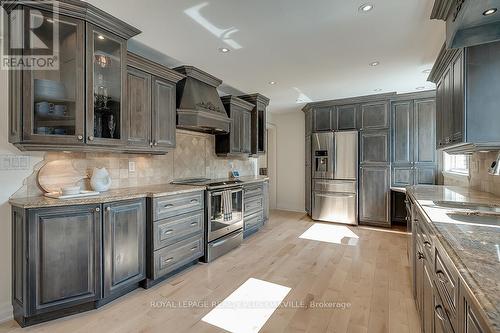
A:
x: 233, y: 190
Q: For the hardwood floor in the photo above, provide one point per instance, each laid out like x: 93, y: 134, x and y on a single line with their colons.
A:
x: 370, y: 276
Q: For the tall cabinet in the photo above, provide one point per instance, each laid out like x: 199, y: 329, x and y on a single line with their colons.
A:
x: 81, y: 102
x: 412, y: 138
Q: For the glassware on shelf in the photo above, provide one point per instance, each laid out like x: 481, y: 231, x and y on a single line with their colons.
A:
x: 111, y: 125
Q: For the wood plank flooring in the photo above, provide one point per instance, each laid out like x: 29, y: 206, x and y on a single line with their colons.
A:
x: 371, y: 277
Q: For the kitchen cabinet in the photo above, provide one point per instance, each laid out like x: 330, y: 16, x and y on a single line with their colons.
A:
x: 324, y: 119
x: 467, y: 81
x: 308, y: 122
x: 175, y: 234
x: 79, y: 105
x: 413, y: 132
x: 238, y: 141
x: 375, y: 115
x: 471, y: 320
x: 265, y: 194
x: 374, y: 147
x: 151, y: 116
x: 56, y: 261
x: 254, y: 208
x: 346, y: 117
x: 258, y: 122
x: 124, y: 236
x: 374, y: 195
x: 308, y: 176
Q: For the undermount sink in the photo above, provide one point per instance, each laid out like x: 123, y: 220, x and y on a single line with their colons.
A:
x: 480, y: 207
x: 475, y: 218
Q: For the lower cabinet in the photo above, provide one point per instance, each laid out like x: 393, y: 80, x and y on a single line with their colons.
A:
x: 374, y: 195
x: 124, y: 236
x: 255, y: 207
x: 70, y: 259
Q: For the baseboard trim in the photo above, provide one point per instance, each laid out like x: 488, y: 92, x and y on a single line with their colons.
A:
x: 5, y: 312
x: 291, y: 209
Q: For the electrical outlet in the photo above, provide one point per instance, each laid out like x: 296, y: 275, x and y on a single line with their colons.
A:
x: 14, y: 162
x: 131, y: 166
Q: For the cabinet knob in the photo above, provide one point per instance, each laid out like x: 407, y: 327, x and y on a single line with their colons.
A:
x: 80, y: 137
x: 155, y: 143
x: 91, y: 138
x: 420, y: 255
x: 151, y: 143
x: 108, y: 209
x: 98, y: 209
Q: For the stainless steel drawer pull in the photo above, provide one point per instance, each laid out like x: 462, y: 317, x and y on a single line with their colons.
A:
x: 194, y: 248
x: 194, y: 223
x: 168, y: 205
x: 441, y: 277
x: 194, y: 201
x: 168, y: 260
x: 439, y: 313
x: 168, y: 232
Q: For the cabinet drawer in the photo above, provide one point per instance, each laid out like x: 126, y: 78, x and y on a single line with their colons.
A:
x: 171, y: 230
x: 253, y: 205
x: 173, y: 205
x: 253, y: 221
x: 253, y: 190
x: 176, y: 255
x: 446, y: 281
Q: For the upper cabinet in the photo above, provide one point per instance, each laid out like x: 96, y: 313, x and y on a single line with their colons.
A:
x: 467, y: 82
x: 375, y: 115
x: 81, y: 99
x: 238, y: 141
x: 259, y: 119
x: 324, y: 118
x: 151, y: 109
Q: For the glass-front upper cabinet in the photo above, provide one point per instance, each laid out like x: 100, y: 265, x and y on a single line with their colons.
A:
x: 106, y: 80
x: 53, y: 102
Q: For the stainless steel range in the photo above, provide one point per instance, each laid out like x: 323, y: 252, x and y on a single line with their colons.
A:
x: 223, y: 214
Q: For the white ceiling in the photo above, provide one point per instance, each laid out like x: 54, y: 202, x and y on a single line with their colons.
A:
x: 319, y: 48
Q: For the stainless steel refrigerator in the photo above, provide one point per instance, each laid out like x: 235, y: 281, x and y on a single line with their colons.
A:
x: 335, y: 177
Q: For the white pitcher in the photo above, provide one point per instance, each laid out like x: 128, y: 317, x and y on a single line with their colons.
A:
x: 100, y: 180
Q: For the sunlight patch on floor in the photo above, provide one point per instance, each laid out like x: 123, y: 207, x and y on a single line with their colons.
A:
x: 248, y: 308
x: 331, y: 233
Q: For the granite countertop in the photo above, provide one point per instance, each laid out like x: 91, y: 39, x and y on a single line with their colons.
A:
x: 473, y: 248
x: 150, y: 191
x: 108, y: 196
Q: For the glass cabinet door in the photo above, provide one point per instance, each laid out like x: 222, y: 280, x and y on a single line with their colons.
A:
x: 53, y: 103
x: 106, y: 74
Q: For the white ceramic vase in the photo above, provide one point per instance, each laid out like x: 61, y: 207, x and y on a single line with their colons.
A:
x: 100, y: 180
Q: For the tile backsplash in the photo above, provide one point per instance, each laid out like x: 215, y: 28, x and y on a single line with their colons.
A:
x: 479, y: 179
x: 194, y: 156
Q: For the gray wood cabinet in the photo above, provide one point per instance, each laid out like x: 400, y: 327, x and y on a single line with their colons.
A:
x: 308, y: 176
x: 308, y: 122
x: 374, y: 147
x: 346, y: 117
x: 254, y: 208
x: 374, y: 195
x: 151, y: 106
x: 124, y: 236
x: 56, y: 267
x: 413, y: 134
x: 324, y: 119
x: 375, y: 115
x: 238, y: 141
x: 81, y: 105
x: 258, y: 122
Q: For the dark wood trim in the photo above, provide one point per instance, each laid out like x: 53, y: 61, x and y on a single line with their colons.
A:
x: 235, y: 101
x: 255, y: 98
x: 83, y: 11
x: 428, y: 94
x: 199, y: 75
x: 443, y: 60
x: 441, y: 9
x: 151, y: 67
x: 350, y: 100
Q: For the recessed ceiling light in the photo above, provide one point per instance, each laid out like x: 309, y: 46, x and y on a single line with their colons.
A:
x: 420, y: 88
x: 224, y: 49
x: 490, y: 11
x: 101, y: 37
x: 375, y: 63
x: 378, y: 89
x: 427, y: 71
x: 272, y: 82
x: 365, y: 8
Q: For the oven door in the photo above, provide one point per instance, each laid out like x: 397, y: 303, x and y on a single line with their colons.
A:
x: 220, y: 221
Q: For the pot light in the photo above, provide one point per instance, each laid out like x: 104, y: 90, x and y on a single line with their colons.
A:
x: 375, y: 63
x: 224, y: 50
x: 272, y: 83
x: 365, y: 8
x: 427, y: 71
x: 420, y: 88
x: 101, y: 37
x: 490, y: 11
